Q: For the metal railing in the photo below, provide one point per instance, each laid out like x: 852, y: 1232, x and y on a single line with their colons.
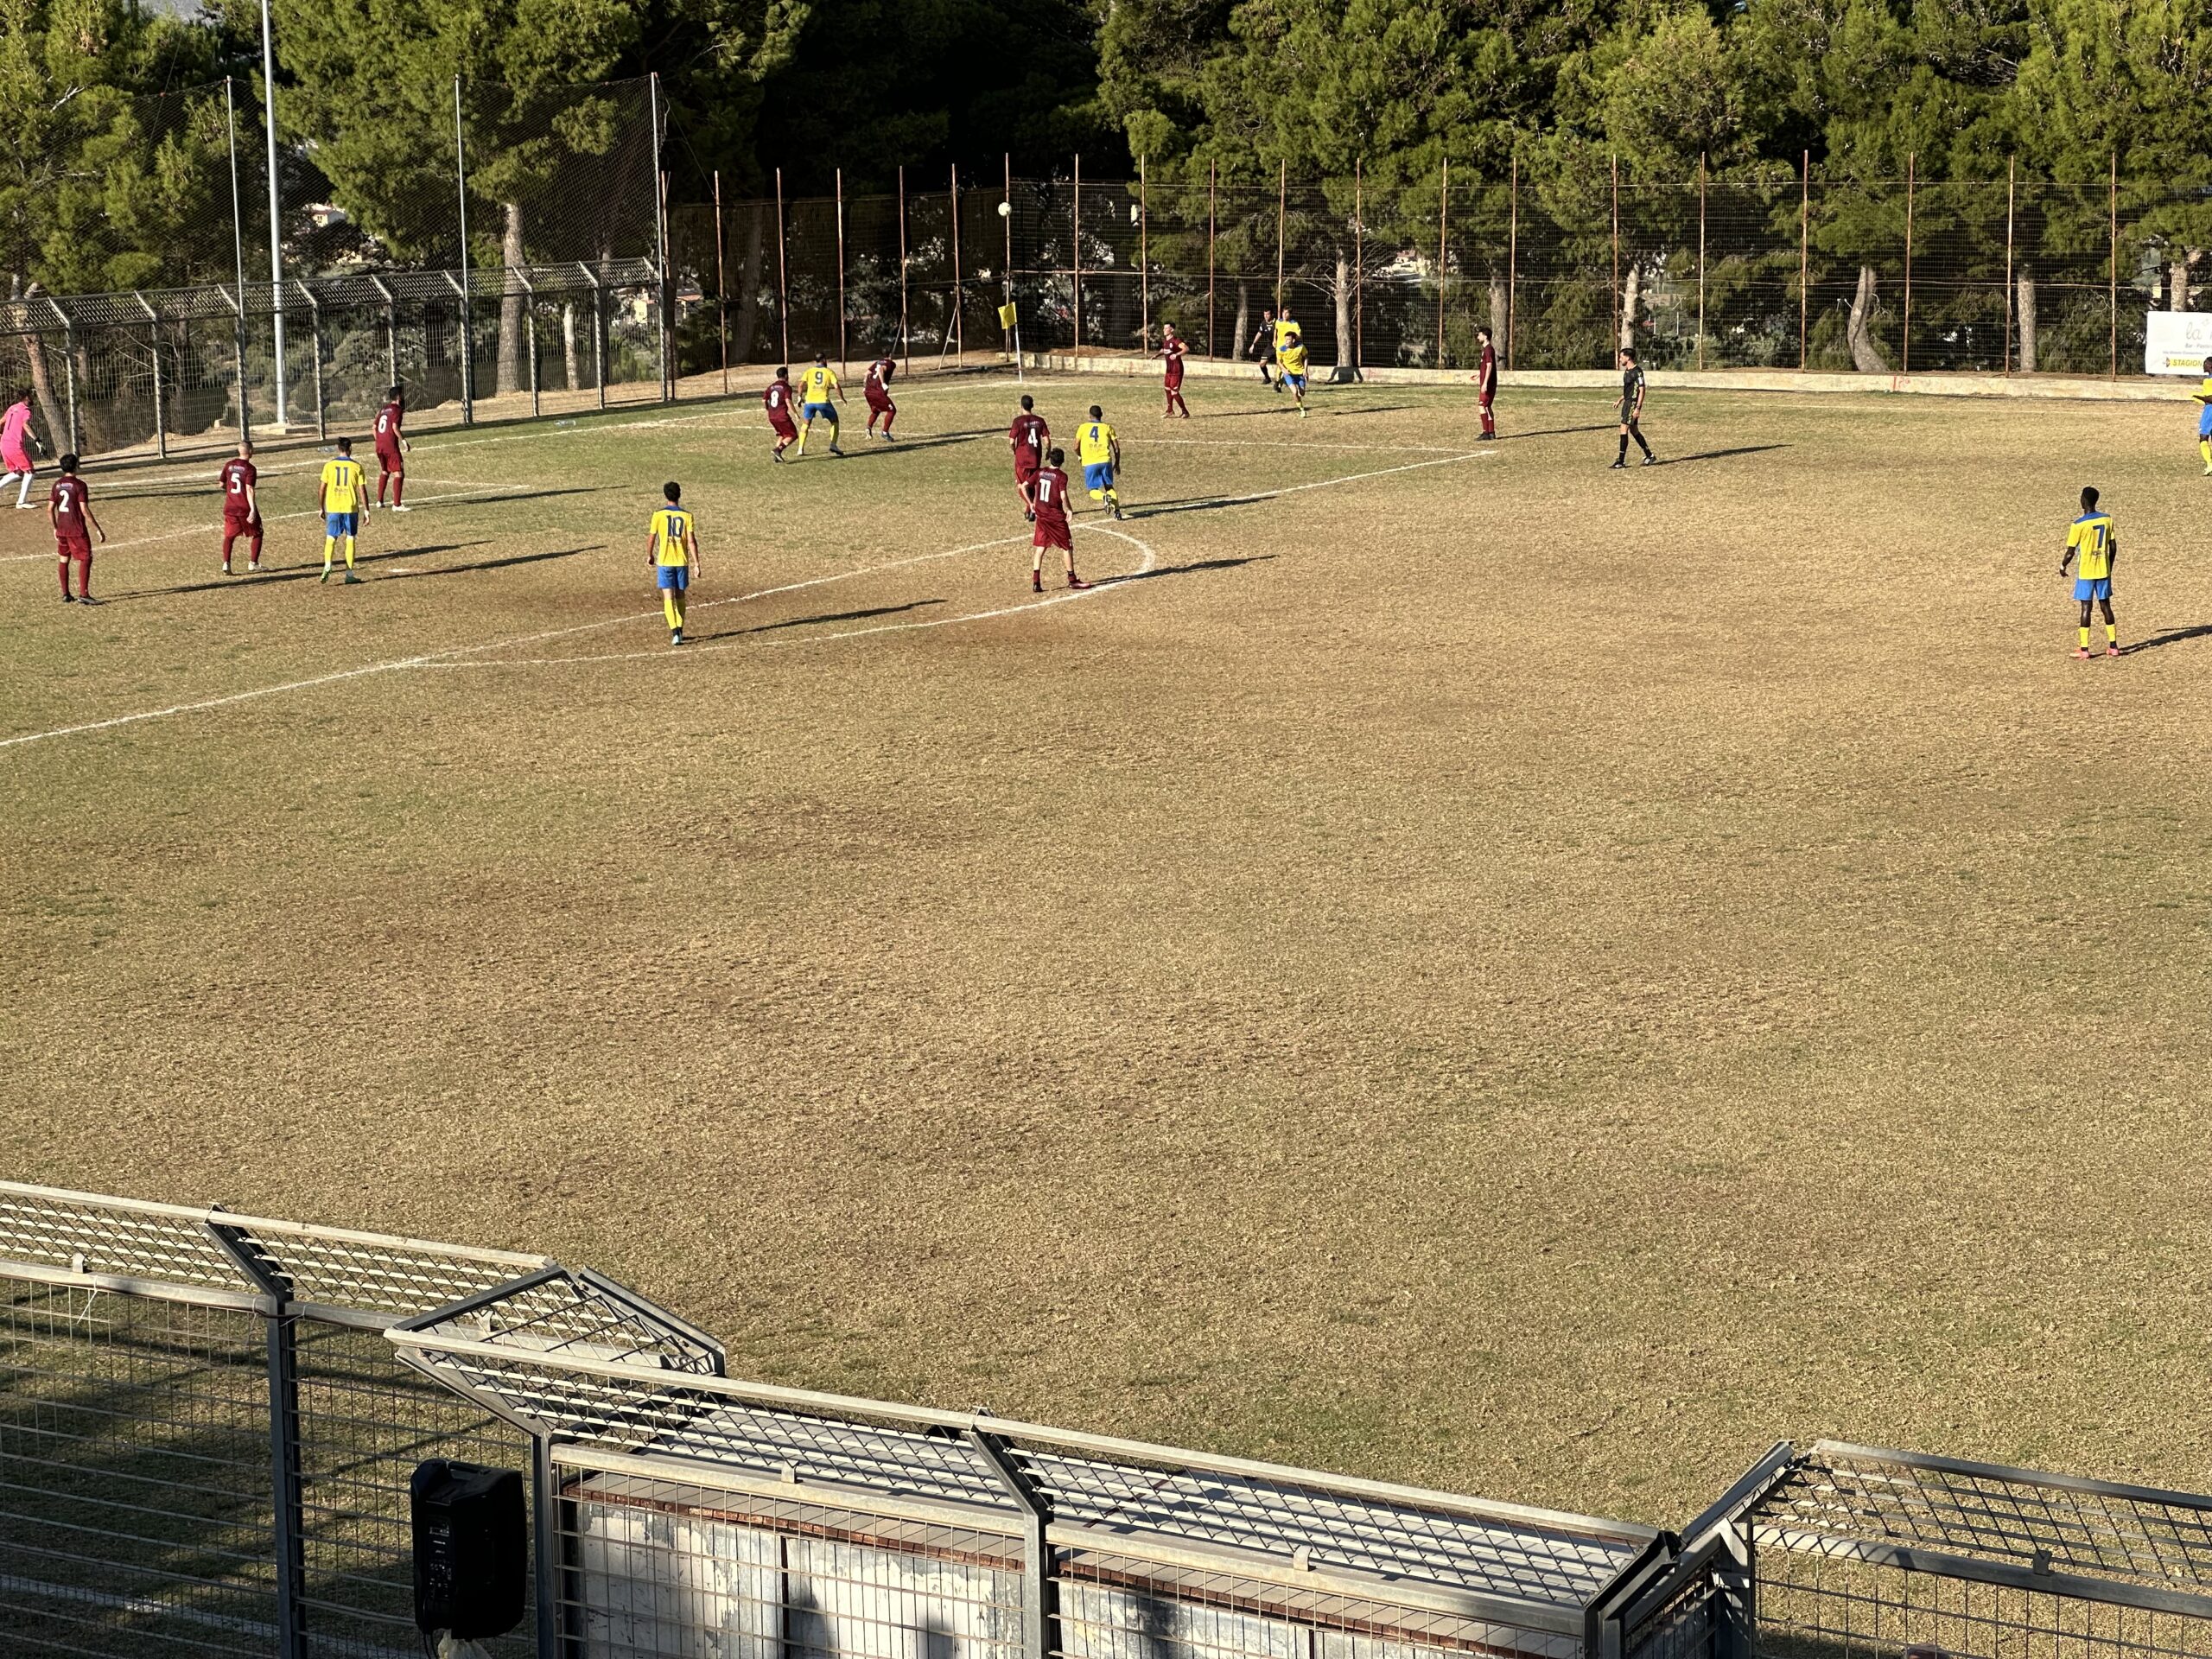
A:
x: 207, y: 1422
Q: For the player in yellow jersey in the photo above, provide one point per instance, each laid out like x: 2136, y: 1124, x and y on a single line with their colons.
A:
x: 2091, y: 538
x: 1283, y: 333
x: 672, y: 550
x: 818, y: 397
x: 343, y: 499
x: 2204, y: 417
x: 1290, y: 366
x: 1100, y: 452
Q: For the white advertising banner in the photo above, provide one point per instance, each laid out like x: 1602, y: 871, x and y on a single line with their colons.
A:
x: 2176, y: 342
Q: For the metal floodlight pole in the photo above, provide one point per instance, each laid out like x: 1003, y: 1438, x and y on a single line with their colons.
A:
x: 1443, y: 245
x: 2112, y: 271
x: 721, y: 280
x: 660, y: 241
x: 1359, y: 265
x: 237, y: 248
x: 1212, y: 178
x: 840, y: 175
x: 1144, y: 258
x: 1282, y: 214
x: 467, y: 319
x: 1701, y: 260
x: 1617, y: 255
x: 2011, y: 186
x: 276, y: 223
x: 1512, y: 254
x: 1804, y: 254
x: 782, y: 277
x: 1077, y: 245
x: 1911, y: 179
x: 959, y: 323
x: 906, y: 347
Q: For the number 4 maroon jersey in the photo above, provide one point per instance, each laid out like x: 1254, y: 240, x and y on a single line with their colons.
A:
x: 1030, y: 437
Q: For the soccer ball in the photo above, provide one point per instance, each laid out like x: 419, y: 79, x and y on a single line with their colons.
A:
x: 1005, y: 210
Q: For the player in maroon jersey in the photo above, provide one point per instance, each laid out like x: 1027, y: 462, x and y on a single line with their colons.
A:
x: 1051, y: 512
x: 1171, y: 350
x: 1029, y: 437
x: 391, y: 452
x: 241, y: 508
x: 877, y: 388
x: 69, y: 509
x: 777, y: 400
x: 1485, y: 379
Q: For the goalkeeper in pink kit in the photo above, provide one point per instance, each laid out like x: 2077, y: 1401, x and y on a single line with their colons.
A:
x: 15, y: 450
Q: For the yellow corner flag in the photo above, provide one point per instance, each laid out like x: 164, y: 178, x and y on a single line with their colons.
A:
x: 1007, y: 317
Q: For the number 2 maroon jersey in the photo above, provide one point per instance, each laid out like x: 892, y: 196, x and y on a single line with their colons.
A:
x: 68, y: 497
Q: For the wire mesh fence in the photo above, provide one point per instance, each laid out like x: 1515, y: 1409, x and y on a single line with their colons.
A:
x: 208, y: 1423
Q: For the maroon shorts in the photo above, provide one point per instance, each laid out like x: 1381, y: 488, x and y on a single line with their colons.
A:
x: 879, y: 401
x: 388, y: 459
x: 75, y: 549
x: 1025, y: 471
x: 782, y: 426
x: 1052, y: 533
x: 1175, y: 377
x: 239, y: 524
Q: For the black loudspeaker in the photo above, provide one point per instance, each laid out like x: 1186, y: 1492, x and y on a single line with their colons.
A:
x: 472, y: 1553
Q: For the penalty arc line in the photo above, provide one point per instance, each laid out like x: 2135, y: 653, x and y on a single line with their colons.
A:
x: 445, y: 658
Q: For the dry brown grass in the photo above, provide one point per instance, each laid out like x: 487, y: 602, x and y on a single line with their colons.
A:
x: 1542, y: 980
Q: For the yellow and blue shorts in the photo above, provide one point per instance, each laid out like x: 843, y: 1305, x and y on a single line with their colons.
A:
x: 2088, y: 587
x: 2204, y: 420
x: 1098, y: 476
x: 677, y: 576
x: 822, y: 412
x: 342, y: 523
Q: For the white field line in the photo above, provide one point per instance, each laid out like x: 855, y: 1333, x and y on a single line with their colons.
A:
x: 1151, y: 563
x: 445, y: 658
x: 216, y: 528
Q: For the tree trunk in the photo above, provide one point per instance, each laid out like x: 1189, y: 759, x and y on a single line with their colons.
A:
x: 748, y: 290
x: 514, y: 371
x: 1497, y: 304
x: 2178, y: 284
x: 1858, y: 333
x: 1631, y: 297
x: 569, y: 341
x: 1347, y: 342
x: 50, y: 411
x: 1244, y: 332
x: 2027, y: 313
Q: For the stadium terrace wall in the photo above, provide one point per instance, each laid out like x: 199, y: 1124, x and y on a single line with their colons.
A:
x: 209, y: 1422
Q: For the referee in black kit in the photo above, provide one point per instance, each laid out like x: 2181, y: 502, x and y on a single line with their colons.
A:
x: 1632, y: 410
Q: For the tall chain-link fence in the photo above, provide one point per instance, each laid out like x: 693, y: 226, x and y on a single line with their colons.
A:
x: 2001, y: 276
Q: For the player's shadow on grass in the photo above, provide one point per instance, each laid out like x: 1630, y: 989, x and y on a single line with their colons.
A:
x: 2170, y: 636
x: 1559, y: 431
x: 816, y: 621
x: 863, y: 445
x: 1196, y: 567
x: 293, y: 573
x: 1291, y: 409
x: 1717, y: 455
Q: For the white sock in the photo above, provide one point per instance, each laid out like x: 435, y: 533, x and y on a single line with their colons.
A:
x: 23, y: 494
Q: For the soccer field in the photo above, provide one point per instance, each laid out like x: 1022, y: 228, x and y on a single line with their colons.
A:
x: 1450, y: 962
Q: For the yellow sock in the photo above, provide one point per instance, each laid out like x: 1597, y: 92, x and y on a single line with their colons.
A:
x: 2112, y: 633
x: 2085, y: 636
x: 2204, y: 449
x: 677, y: 593
x: 803, y: 431
x: 667, y: 609
x: 329, y: 550
x: 349, y: 552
